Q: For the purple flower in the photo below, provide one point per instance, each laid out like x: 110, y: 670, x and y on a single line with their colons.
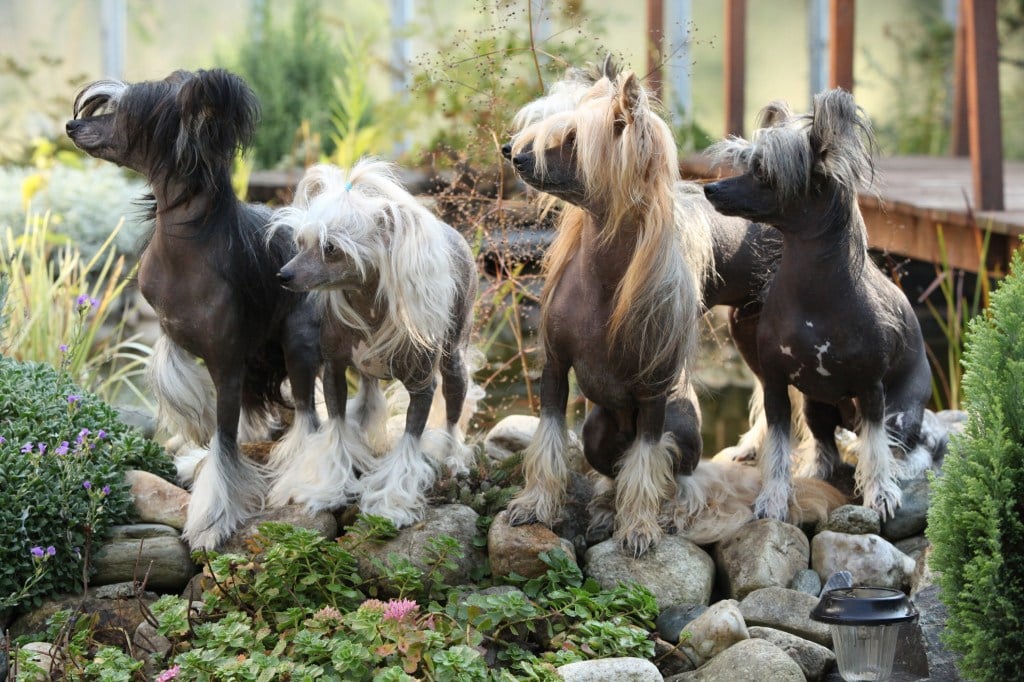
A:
x: 37, y: 552
x: 51, y: 550
x: 42, y: 448
x: 63, y: 348
x: 72, y: 399
x: 26, y: 448
x: 106, y: 490
x: 62, y: 449
x: 101, y: 434
x: 86, y: 300
x: 87, y: 485
x: 2, y: 440
x: 81, y: 436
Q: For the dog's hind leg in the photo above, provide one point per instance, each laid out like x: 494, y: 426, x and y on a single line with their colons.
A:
x: 545, y: 469
x: 228, y: 488
x: 369, y: 409
x: 914, y: 445
x: 819, y: 457
x: 396, y: 487
x: 186, y: 402
x: 455, y: 383
x: 876, y: 473
x: 645, y: 480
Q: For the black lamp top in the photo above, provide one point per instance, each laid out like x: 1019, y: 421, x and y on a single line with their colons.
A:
x: 864, y: 606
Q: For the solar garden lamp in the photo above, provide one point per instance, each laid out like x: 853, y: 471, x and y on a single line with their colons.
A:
x: 864, y: 622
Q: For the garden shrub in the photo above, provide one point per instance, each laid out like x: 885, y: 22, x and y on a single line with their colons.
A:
x: 976, y: 521
x: 63, y: 454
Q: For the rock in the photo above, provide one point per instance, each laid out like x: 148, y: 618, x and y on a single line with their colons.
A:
x: 323, y: 523
x: 813, y: 659
x: 787, y: 610
x: 806, y: 580
x: 144, y: 552
x: 911, y: 516
x: 932, y: 617
x: 513, y: 434
x: 454, y: 520
x: 44, y: 655
x: 516, y: 549
x: 871, y: 559
x: 911, y: 658
x: 603, y: 669
x: 118, y: 610
x: 156, y: 500
x: 510, y: 436
x: 671, y: 659
x: 762, y: 553
x: 147, y: 642
x: 837, y: 580
x: 675, y: 570
x: 751, y: 660
x: 913, y: 546
x: 140, y: 419
x: 672, y: 620
x: 714, y: 631
x: 923, y: 576
x: 853, y: 519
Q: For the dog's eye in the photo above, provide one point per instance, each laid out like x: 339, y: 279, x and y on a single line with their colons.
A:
x: 330, y: 249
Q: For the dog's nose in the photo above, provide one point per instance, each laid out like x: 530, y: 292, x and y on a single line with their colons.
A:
x: 711, y: 189
x: 72, y: 126
x: 285, y: 276
x: 506, y: 150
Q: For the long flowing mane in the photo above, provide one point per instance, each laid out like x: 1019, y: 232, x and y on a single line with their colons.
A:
x: 628, y: 159
x: 386, y: 232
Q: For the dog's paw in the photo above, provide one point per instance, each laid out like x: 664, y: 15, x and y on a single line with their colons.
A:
x: 884, y: 498
x: 736, y: 453
x: 637, y: 535
x: 773, y: 502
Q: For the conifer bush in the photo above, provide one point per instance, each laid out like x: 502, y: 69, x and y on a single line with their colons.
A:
x: 976, y: 521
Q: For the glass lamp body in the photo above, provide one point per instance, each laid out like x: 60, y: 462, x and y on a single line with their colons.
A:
x: 865, y: 652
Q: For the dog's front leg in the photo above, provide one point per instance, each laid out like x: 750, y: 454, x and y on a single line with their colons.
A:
x: 774, y: 460
x: 396, y: 487
x: 545, y: 471
x: 228, y: 488
x: 875, y: 475
x: 645, y: 480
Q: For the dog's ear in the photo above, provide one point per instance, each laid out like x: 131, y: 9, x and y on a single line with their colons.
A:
x: 631, y: 98
x: 609, y: 69
x: 218, y: 116
x: 834, y: 118
x: 773, y: 114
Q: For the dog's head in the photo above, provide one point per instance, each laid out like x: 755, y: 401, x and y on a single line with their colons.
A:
x: 185, y: 128
x: 610, y: 147
x: 796, y: 165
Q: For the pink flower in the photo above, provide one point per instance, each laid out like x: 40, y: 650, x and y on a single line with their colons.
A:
x: 169, y: 674
x: 399, y: 609
x: 373, y: 605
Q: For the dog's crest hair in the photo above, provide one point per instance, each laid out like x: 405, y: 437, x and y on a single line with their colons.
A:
x: 629, y: 158
x: 833, y: 142
x: 384, y: 230
x: 565, y: 93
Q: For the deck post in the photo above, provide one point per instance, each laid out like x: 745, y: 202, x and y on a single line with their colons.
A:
x: 841, y: 25
x: 655, y: 38
x: 984, y: 120
x: 735, y: 64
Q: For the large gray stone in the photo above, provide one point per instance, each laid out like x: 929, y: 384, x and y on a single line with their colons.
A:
x: 871, y: 559
x: 624, y: 669
x: 156, y: 500
x: 144, y: 552
x: 675, y: 570
x: 762, y: 553
x: 814, y: 659
x: 714, y: 631
x: 750, y: 660
x: 413, y: 543
x: 323, y: 523
x: 853, y: 519
x: 788, y: 610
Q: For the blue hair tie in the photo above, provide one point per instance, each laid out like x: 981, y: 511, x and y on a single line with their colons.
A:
x: 348, y: 186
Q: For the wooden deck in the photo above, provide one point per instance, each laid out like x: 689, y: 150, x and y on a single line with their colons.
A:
x: 918, y: 198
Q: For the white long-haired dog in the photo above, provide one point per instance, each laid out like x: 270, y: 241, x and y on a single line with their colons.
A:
x: 396, y: 288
